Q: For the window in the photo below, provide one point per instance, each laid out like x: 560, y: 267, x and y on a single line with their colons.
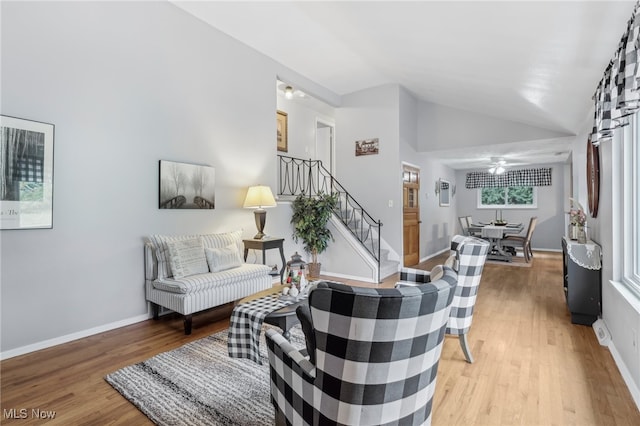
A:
x: 629, y: 204
x: 514, y: 197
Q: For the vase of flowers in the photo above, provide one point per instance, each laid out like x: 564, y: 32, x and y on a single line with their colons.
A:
x: 577, y: 222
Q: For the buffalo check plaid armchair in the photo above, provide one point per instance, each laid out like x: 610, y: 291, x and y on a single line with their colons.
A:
x: 375, y: 358
x: 468, y: 255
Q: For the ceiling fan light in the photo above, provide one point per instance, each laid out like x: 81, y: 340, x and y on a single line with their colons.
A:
x: 492, y: 170
x: 499, y: 170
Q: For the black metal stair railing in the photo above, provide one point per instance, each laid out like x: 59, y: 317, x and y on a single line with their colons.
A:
x: 310, y: 177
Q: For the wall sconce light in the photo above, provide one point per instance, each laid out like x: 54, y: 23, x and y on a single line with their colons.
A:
x: 259, y: 196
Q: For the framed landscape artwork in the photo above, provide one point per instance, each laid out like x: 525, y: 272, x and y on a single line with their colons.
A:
x: 283, y: 143
x: 186, y: 186
x: 26, y: 174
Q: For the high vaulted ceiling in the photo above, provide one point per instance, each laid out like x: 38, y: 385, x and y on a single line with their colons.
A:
x: 536, y: 63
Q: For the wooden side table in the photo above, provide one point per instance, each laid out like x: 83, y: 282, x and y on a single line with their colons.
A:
x: 264, y: 245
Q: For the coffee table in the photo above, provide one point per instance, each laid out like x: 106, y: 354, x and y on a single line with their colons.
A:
x: 248, y: 315
x: 284, y: 317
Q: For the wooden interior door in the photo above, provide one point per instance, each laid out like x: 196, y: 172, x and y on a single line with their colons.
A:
x: 411, y: 215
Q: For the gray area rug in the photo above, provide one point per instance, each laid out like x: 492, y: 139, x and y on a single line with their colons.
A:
x: 198, y: 384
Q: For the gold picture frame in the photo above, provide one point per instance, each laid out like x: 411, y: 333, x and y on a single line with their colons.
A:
x: 282, y: 131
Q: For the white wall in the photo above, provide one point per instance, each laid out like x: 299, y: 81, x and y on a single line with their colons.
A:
x: 126, y: 84
x: 302, y: 118
x: 443, y: 128
x: 620, y: 308
x: 374, y: 180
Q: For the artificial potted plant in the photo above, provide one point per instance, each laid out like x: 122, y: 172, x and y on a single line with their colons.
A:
x: 310, y: 218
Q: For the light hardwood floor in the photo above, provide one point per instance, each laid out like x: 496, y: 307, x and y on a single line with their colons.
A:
x: 532, y: 366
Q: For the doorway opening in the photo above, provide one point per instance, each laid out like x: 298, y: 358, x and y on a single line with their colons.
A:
x: 325, y: 142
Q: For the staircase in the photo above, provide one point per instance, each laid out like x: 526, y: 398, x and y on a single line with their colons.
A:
x: 310, y: 177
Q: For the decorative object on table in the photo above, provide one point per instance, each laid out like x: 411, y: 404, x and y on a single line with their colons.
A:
x: 186, y: 186
x: 259, y: 197
x: 310, y: 218
x: 282, y: 131
x: 367, y: 147
x: 207, y: 389
x: 274, y: 271
x: 577, y: 222
x: 443, y: 190
x: 26, y: 174
x: 294, y: 291
x: 296, y: 263
x: 593, y: 177
x: 499, y: 221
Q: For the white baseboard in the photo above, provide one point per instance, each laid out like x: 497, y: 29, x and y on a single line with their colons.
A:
x: 349, y: 277
x: 434, y: 254
x: 626, y: 375
x: 70, y: 337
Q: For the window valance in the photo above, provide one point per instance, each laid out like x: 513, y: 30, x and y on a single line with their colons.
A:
x: 524, y: 177
x: 617, y: 95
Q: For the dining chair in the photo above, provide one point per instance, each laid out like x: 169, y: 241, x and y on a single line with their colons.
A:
x: 464, y: 224
x: 469, y: 224
x: 372, y: 355
x: 522, y: 241
x: 468, y: 256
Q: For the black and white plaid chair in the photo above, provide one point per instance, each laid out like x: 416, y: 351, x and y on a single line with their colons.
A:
x: 374, y: 355
x: 468, y: 255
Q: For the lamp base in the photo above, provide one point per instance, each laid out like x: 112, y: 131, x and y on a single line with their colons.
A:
x: 261, y: 218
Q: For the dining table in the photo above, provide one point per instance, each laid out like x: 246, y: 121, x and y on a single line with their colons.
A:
x: 495, y: 234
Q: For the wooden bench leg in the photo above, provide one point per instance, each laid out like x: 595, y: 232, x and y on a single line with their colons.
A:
x: 187, y: 324
x: 155, y: 310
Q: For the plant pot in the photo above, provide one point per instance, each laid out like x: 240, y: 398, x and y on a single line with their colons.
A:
x: 314, y: 269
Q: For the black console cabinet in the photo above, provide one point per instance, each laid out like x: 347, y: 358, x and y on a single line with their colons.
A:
x: 582, y: 288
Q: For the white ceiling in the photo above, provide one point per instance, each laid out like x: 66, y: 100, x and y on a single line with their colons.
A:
x: 536, y: 63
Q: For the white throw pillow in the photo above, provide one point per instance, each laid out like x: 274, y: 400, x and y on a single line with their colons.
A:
x: 161, y: 250
x: 187, y: 257
x: 220, y: 259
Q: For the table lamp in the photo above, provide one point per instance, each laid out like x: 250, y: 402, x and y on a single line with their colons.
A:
x: 259, y: 197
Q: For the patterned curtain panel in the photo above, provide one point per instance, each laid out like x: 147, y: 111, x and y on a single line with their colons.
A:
x: 617, y: 95
x: 524, y: 177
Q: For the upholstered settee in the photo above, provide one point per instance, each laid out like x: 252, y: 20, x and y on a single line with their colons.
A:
x: 191, y: 273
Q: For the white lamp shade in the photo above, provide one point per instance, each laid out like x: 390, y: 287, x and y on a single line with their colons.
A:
x: 259, y: 196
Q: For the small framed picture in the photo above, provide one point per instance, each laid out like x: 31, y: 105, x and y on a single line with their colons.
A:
x: 26, y: 174
x: 367, y: 147
x: 281, y: 118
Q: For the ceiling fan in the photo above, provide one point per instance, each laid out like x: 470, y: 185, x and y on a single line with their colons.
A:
x: 497, y: 166
x: 290, y: 92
